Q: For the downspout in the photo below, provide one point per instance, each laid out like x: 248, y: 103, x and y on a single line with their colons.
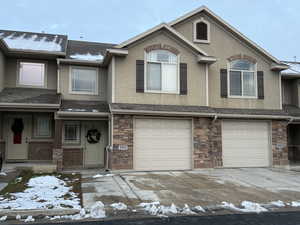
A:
x: 109, y: 147
x: 215, y: 118
x: 58, y: 76
x: 290, y: 120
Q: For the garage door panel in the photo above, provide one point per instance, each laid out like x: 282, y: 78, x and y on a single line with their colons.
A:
x: 162, y: 144
x: 245, y: 144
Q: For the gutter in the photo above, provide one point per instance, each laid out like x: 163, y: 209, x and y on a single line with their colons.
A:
x: 85, y: 62
x: 28, y: 105
x: 213, y: 115
x: 81, y: 114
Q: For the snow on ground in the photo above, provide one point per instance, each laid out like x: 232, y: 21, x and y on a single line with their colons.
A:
x: 278, y: 203
x: 33, y: 42
x: 29, y: 219
x: 247, y: 207
x: 87, y: 56
x: 199, y: 208
x: 103, y: 175
x: 43, y: 192
x: 3, y: 218
x: 119, y: 206
x: 295, y: 204
x: 3, y: 174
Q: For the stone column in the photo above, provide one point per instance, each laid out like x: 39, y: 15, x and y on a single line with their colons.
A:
x: 121, y: 156
x: 57, y: 147
x: 279, y: 143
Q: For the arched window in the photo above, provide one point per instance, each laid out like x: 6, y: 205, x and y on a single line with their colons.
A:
x: 242, y: 78
x: 201, y: 31
x: 161, y: 71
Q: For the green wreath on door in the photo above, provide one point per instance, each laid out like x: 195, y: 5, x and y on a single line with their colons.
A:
x: 93, y: 136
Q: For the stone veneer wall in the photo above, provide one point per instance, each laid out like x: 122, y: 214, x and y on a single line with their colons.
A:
x: 279, y: 143
x: 38, y: 150
x: 121, y: 158
x: 207, y: 143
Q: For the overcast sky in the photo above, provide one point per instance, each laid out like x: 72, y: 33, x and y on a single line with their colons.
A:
x: 273, y: 24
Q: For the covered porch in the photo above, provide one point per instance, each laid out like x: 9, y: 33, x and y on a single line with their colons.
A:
x: 81, y: 135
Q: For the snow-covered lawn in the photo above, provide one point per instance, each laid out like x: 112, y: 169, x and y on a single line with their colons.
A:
x: 41, y: 192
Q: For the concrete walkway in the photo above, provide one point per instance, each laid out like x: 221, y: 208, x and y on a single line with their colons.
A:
x: 202, y: 187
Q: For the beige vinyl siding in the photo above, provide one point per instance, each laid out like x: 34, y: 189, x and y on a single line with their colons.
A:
x: 290, y: 92
x: 2, y: 70
x: 109, y: 83
x: 64, y: 85
x: 162, y: 144
x: 12, y: 70
x: 224, y: 44
x: 125, y: 75
x: 245, y: 144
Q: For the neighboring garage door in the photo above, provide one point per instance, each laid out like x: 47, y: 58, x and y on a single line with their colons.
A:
x: 162, y: 144
x: 245, y: 144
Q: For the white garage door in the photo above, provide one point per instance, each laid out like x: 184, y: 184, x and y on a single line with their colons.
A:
x: 162, y: 144
x: 245, y: 144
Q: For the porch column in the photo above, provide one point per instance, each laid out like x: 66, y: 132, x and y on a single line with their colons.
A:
x: 57, y: 150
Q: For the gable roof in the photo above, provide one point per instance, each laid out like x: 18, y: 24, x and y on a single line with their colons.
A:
x: 228, y: 26
x: 157, y: 28
x: 34, y: 42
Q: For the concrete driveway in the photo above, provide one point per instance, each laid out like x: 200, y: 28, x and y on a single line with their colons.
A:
x: 202, y: 187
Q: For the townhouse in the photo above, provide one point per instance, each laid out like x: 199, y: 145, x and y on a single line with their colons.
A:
x: 188, y: 94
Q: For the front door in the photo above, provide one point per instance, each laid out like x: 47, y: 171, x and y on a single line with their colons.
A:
x: 94, y: 143
x: 18, y: 132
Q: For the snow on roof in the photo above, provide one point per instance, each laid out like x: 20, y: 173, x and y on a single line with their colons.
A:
x: 31, y: 41
x: 294, y: 67
x: 87, y: 56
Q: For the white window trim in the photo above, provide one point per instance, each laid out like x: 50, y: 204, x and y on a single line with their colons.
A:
x: 242, y: 85
x: 161, y: 92
x: 195, y: 31
x: 31, y: 61
x: 35, y: 133
x: 77, y: 141
x: 83, y: 92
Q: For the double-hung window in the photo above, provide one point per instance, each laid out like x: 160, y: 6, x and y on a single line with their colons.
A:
x: 31, y: 74
x: 162, y: 72
x: 242, y: 79
x: 71, y: 134
x: 84, y: 80
x: 43, y: 127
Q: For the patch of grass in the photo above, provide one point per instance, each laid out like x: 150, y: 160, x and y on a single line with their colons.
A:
x: 19, y: 184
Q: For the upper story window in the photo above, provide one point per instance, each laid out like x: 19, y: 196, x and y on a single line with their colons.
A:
x: 201, y: 31
x: 162, y: 72
x: 84, y: 80
x: 31, y: 74
x: 242, y: 79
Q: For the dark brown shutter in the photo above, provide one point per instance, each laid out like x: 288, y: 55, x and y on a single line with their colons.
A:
x: 183, y: 78
x: 223, y: 80
x: 139, y: 75
x: 260, y: 85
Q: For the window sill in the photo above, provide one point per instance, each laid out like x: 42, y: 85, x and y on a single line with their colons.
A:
x: 29, y: 86
x: 161, y: 92
x: 242, y: 97
x: 82, y: 93
x: 201, y: 41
